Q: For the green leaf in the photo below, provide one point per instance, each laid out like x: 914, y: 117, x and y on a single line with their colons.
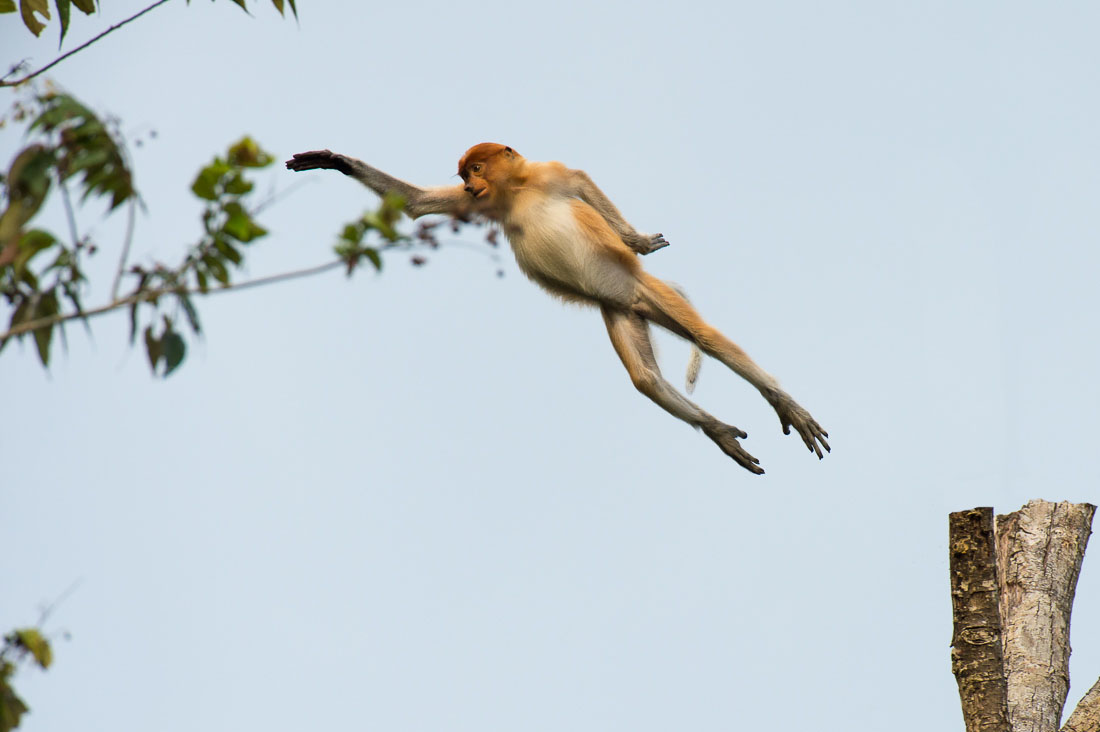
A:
x: 87, y: 158
x: 11, y: 706
x: 58, y: 109
x: 133, y: 323
x: 174, y: 350
x: 85, y: 146
x: 63, y: 16
x: 246, y: 153
x: 238, y: 186
x: 374, y: 257
x: 153, y: 348
x: 32, y: 640
x: 293, y: 8
x: 377, y: 221
x: 189, y: 310
x: 241, y: 3
x: 142, y: 279
x: 352, y: 233
x: 7, y: 6
x: 278, y: 5
x: 21, y: 313
x: 226, y: 250
x: 207, y: 181
x: 86, y: 6
x: 28, y: 184
x: 216, y: 269
x: 241, y: 227
x: 33, y: 242
x: 47, y: 306
x: 28, y: 8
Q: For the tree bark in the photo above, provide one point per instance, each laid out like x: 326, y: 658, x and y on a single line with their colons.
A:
x: 1039, y: 553
x: 976, y: 657
x: 1012, y: 588
x: 1086, y: 717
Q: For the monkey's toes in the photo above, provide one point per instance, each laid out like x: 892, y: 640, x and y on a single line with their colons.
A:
x: 656, y: 242
x: 726, y: 437
x: 813, y: 437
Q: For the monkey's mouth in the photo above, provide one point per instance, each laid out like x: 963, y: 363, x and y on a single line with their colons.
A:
x: 482, y: 193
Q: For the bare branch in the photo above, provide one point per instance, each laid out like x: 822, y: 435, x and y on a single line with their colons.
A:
x: 81, y: 47
x: 147, y: 295
x: 976, y: 658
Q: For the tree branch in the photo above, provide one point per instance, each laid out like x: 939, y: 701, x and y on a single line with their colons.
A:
x: 1039, y: 553
x: 126, y: 243
x: 147, y: 295
x: 81, y: 47
x: 1086, y: 717
x: 976, y: 657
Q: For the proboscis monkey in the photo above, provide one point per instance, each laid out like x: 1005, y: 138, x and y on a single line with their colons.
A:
x: 569, y: 238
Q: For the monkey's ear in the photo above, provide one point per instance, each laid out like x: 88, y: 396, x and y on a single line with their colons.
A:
x: 509, y: 150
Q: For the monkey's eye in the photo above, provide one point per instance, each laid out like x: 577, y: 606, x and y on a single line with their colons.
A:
x: 476, y: 168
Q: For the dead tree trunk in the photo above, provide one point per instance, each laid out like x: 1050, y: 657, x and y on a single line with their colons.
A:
x: 1012, y: 587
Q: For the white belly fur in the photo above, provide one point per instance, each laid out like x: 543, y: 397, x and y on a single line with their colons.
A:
x: 552, y: 250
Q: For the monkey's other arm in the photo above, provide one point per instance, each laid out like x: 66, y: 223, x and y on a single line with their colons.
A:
x: 451, y: 200
x: 587, y: 191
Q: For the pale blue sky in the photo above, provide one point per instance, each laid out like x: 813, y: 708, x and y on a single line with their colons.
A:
x: 432, y: 499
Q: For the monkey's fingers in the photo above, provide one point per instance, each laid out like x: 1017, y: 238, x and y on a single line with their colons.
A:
x: 725, y: 436
x: 657, y: 241
x: 318, y: 160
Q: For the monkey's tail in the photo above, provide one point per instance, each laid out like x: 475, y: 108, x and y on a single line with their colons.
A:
x: 695, y: 360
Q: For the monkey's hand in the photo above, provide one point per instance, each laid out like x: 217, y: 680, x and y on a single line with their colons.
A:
x: 319, y: 160
x: 793, y: 415
x: 645, y: 243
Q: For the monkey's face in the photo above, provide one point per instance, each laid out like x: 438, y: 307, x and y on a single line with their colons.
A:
x: 486, y: 169
x: 476, y: 177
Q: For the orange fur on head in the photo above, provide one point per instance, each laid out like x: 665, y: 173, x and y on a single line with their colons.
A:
x: 482, y: 152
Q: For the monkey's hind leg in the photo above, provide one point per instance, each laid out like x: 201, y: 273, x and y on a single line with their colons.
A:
x: 630, y: 337
x: 663, y: 305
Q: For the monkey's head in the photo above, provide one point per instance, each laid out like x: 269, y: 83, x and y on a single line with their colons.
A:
x: 486, y: 167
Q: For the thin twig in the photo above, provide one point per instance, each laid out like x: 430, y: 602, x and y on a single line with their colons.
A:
x: 81, y: 47
x: 276, y: 195
x: 147, y: 295
x: 68, y: 210
x: 125, y: 249
x: 47, y: 611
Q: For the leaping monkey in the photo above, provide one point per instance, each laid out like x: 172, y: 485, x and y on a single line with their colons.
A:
x: 569, y: 238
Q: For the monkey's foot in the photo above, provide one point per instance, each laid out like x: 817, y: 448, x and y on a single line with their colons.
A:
x: 647, y: 243
x: 793, y: 415
x: 725, y: 436
x: 319, y: 160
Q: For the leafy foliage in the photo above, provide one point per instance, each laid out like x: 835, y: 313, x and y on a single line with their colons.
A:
x: 38, y: 269
x: 41, y: 271
x: 228, y: 227
x: 350, y: 247
x: 20, y: 645
x: 30, y: 10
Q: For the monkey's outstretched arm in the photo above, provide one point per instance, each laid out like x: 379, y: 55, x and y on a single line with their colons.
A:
x: 587, y: 191
x: 451, y: 200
